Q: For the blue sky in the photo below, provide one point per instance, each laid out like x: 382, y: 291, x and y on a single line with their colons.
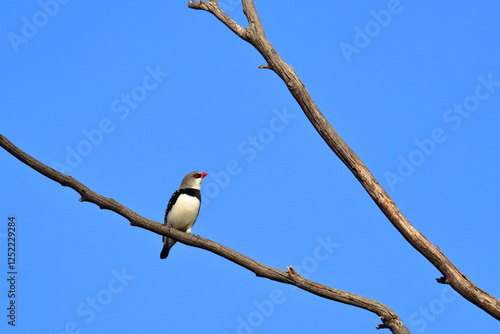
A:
x: 128, y: 98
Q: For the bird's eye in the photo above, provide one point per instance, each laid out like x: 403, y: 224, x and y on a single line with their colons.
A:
x: 197, y: 175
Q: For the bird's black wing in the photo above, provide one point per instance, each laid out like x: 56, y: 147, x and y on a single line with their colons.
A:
x: 171, y: 203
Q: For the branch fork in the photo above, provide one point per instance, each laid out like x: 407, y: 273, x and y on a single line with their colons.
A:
x: 255, y: 35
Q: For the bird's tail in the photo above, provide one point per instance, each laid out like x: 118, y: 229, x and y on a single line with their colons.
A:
x: 164, y: 252
x: 167, y: 244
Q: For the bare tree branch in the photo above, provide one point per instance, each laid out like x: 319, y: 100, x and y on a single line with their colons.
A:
x: 254, y: 34
x: 389, y: 318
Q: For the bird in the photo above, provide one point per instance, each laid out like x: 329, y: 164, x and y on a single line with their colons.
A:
x: 183, y: 208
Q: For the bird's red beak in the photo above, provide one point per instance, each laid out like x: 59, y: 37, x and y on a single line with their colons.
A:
x: 203, y: 174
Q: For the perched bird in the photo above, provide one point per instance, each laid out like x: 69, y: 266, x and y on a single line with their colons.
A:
x: 183, y: 208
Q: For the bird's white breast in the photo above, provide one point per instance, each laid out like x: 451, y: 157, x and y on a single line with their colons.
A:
x: 184, y: 213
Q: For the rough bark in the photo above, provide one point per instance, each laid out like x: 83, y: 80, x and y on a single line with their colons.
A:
x: 254, y: 34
